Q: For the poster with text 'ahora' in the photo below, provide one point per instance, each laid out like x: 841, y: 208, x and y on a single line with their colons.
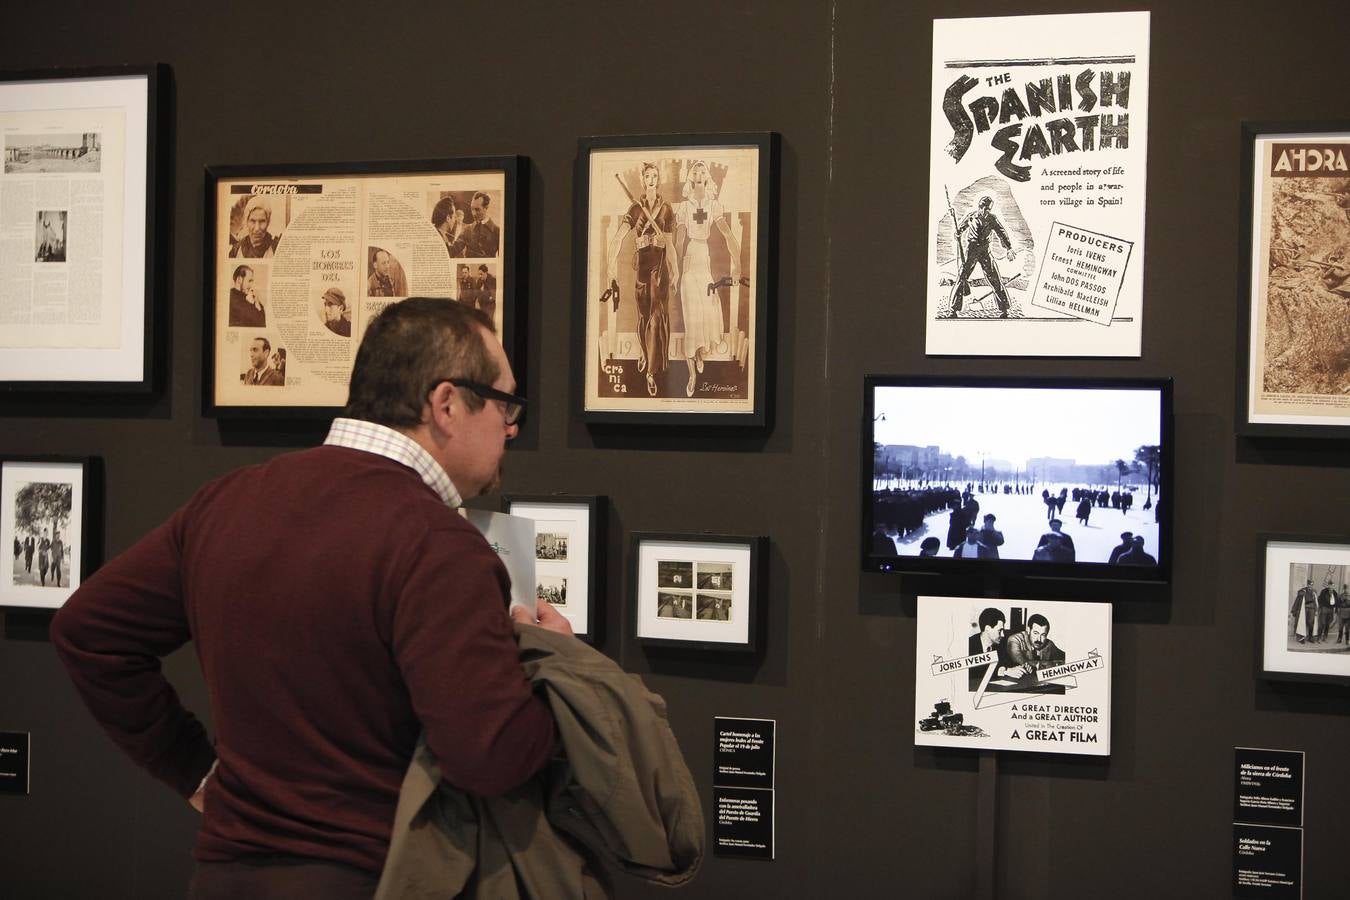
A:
x: 1037, y: 159
x: 1013, y: 675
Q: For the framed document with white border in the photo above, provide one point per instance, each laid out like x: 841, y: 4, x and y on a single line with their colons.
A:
x: 697, y: 591
x: 48, y: 528
x: 569, y: 549
x: 81, y: 182
x: 1303, y: 608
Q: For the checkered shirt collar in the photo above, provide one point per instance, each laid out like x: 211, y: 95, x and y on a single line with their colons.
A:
x: 358, y: 434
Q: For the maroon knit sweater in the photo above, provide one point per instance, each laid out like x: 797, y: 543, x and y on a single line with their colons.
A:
x: 338, y: 608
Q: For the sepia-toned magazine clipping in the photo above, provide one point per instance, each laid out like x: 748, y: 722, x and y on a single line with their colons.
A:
x: 1300, y: 277
x: 303, y: 265
x: 672, y: 310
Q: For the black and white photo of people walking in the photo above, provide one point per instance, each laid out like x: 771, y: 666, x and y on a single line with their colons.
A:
x: 970, y: 473
x: 42, y: 551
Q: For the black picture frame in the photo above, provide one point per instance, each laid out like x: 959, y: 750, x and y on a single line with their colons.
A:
x: 587, y: 619
x: 714, y: 556
x: 461, y: 179
x: 873, y: 558
x: 120, y: 354
x: 1288, y: 261
x: 733, y: 386
x: 24, y: 580
x: 1281, y: 653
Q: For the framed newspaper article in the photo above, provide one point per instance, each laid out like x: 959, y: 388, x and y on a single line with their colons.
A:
x: 81, y: 189
x: 674, y: 273
x: 1292, y: 325
x: 569, y: 553
x: 697, y: 591
x: 301, y: 257
x: 49, y: 528
x: 1303, y: 605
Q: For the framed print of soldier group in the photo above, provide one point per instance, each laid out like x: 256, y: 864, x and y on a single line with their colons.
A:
x: 1303, y: 607
x: 301, y: 257
x: 674, y: 267
x: 1291, y: 317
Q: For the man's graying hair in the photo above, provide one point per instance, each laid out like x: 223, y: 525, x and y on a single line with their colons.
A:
x: 408, y: 349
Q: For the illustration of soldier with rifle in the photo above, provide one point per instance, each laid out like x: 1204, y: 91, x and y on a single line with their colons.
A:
x: 651, y: 220
x: 983, y: 225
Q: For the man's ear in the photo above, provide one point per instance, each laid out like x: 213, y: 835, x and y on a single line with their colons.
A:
x: 444, y: 407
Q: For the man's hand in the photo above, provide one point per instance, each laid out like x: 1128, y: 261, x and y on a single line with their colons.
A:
x: 545, y: 616
x: 198, y: 800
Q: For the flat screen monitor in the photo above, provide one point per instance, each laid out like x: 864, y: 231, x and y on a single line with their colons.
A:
x: 1053, y: 477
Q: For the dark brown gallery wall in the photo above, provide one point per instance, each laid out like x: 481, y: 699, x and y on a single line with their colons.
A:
x: 860, y: 813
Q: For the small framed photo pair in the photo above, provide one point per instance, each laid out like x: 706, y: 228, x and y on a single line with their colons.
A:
x: 48, y: 528
x: 1292, y: 364
x: 300, y: 258
x: 1304, y: 608
x: 674, y: 267
x: 569, y: 551
x: 697, y: 591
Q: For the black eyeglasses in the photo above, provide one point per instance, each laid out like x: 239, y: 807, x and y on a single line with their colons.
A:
x: 513, y: 406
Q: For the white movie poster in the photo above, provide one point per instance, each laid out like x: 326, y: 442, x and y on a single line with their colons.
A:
x: 1013, y: 675
x: 1036, y: 187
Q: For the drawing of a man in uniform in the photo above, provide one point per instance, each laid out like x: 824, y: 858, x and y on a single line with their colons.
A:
x: 982, y: 225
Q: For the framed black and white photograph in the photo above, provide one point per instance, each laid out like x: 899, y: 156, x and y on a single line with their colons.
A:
x: 697, y: 591
x: 47, y: 527
x: 1294, y: 371
x: 569, y: 550
x: 1304, y: 608
x: 82, y: 188
x: 302, y: 257
x: 675, y: 246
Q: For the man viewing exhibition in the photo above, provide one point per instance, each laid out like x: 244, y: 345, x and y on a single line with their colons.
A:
x: 364, y: 613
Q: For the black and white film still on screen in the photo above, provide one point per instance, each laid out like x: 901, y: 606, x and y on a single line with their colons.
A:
x: 1066, y: 478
